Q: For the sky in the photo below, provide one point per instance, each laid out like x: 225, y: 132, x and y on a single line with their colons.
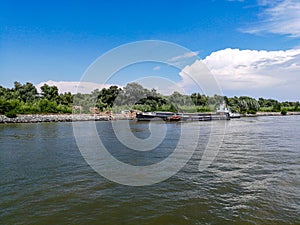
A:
x: 252, y: 47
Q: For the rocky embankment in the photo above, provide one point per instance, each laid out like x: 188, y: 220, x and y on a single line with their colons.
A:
x: 38, y: 118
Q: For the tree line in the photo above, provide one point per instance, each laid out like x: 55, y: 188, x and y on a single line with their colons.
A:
x: 25, y: 99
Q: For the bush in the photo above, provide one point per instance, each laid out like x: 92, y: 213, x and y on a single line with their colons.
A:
x: 283, y: 112
x: 266, y: 109
x: 9, y: 108
x: 251, y: 111
x: 47, y: 106
x: 64, y: 109
x: 277, y: 107
x: 143, y: 108
x: 203, y: 109
x: 11, y: 114
x: 4, y: 106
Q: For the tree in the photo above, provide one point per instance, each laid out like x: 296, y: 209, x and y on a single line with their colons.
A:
x: 199, y: 100
x: 66, y: 98
x: 243, y: 104
x: 106, y: 97
x: 9, y: 107
x: 132, y: 93
x: 216, y: 100
x: 6, y: 93
x: 276, y: 107
x: 296, y: 108
x: 26, y: 92
x: 178, y: 99
x: 154, y: 102
x: 48, y: 106
x: 50, y: 92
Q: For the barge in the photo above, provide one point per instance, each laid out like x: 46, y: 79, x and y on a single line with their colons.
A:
x: 223, y: 113
x: 170, y: 116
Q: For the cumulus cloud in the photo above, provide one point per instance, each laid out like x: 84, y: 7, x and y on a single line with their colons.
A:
x: 73, y: 86
x: 281, y: 17
x: 253, y: 70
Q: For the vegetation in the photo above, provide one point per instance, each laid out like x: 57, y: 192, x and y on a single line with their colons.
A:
x: 24, y: 99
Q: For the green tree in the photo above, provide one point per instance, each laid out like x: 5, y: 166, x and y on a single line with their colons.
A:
x: 66, y: 98
x: 131, y: 94
x: 6, y: 93
x: 276, y: 107
x: 199, y: 100
x: 9, y: 107
x: 296, y: 108
x: 47, y: 106
x: 25, y: 93
x: 50, y: 92
x: 106, y: 97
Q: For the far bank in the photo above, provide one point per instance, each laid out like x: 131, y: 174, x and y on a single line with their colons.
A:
x: 40, y: 118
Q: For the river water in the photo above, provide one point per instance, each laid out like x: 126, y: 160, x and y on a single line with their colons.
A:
x: 253, y: 180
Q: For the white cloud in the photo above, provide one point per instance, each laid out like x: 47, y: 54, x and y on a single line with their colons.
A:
x: 251, y: 70
x: 184, y: 56
x: 279, y: 18
x: 268, y: 2
x: 73, y: 86
x: 156, y: 68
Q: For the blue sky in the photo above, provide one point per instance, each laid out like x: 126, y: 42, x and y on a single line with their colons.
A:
x: 58, y: 40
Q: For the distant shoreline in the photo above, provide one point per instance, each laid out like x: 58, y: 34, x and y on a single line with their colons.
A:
x: 40, y: 118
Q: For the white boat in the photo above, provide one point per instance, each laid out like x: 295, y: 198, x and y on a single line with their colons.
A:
x: 224, y: 110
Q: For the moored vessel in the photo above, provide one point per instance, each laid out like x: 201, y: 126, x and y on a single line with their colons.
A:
x: 224, y: 110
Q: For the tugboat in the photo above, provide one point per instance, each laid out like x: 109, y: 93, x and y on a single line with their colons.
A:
x: 224, y: 110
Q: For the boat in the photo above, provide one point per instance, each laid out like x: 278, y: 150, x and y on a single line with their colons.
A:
x: 224, y: 110
x: 173, y: 118
x: 203, y: 116
x: 234, y: 115
x: 170, y: 116
x: 150, y: 116
x: 223, y: 113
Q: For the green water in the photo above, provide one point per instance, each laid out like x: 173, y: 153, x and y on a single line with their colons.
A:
x: 254, y: 179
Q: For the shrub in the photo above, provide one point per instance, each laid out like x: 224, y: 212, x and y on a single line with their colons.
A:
x: 283, y: 112
x: 11, y: 114
x: 47, y: 106
x: 251, y: 111
x: 203, y: 109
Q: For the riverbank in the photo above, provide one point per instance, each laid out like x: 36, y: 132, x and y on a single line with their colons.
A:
x: 39, y: 118
x: 270, y: 114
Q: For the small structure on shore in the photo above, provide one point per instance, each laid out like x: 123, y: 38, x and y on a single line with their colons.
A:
x: 94, y: 110
x: 77, y: 108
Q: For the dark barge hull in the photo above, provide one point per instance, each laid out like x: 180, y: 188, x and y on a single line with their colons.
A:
x: 181, y: 117
x: 156, y: 116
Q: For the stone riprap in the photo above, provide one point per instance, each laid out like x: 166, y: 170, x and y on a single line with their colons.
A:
x: 38, y: 118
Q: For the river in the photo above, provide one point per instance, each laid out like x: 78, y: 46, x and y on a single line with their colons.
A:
x: 254, y: 178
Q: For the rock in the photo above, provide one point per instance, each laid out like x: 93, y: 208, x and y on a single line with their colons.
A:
x: 37, y: 118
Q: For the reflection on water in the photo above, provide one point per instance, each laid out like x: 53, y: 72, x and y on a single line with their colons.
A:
x: 253, y: 180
